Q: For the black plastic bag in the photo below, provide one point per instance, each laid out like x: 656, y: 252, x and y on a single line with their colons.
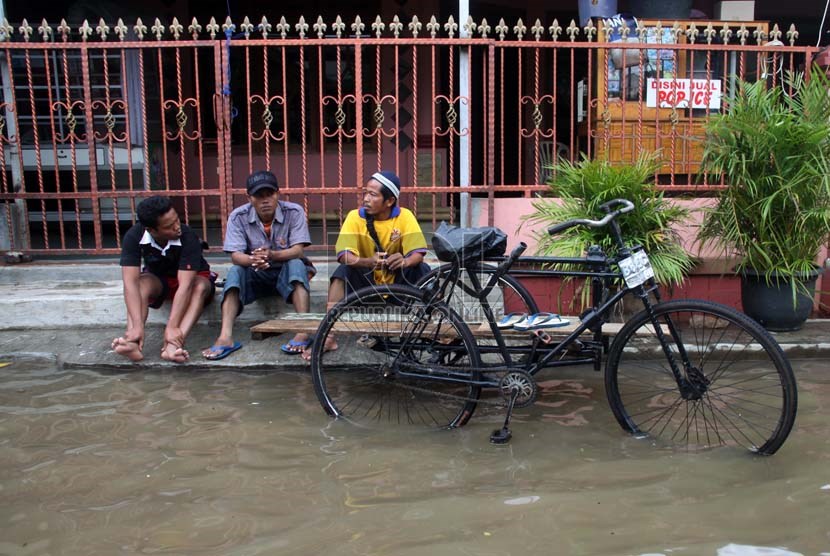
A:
x: 452, y: 243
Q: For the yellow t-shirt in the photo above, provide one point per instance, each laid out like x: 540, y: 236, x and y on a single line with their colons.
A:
x: 400, y: 233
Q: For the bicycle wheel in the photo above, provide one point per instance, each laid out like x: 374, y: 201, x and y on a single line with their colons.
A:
x: 508, y: 295
x: 398, y: 362
x: 741, y: 389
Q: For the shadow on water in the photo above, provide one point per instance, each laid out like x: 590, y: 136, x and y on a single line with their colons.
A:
x: 229, y: 463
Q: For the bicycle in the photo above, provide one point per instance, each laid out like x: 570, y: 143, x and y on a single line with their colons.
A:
x: 684, y: 372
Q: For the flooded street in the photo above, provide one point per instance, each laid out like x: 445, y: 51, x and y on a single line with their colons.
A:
x: 229, y: 463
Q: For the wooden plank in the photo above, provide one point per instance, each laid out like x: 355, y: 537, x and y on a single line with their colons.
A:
x: 309, y: 323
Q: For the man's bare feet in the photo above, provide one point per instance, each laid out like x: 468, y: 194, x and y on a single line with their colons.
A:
x: 330, y: 345
x: 174, y: 354
x: 128, y: 349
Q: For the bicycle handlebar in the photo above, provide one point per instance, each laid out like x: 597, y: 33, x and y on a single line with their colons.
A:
x: 627, y: 206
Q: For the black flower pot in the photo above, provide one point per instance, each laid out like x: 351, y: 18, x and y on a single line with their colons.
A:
x: 772, y: 304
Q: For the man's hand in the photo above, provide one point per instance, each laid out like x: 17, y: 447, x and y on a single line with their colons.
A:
x: 173, y: 335
x: 395, y: 262
x: 135, y: 335
x: 261, y: 258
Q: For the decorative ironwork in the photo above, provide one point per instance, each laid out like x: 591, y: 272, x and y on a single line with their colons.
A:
x: 301, y: 27
x: 319, y: 27
x: 501, y: 29
x: 121, y: 30
x: 555, y: 30
x: 45, y: 31
x: 484, y: 28
x: 433, y: 27
x: 451, y: 27
x: 520, y: 29
x: 396, y: 26
x: 572, y: 31
x: 102, y: 29
x: 25, y: 30
x: 212, y: 28
x: 415, y: 26
x: 140, y: 29
x: 357, y: 27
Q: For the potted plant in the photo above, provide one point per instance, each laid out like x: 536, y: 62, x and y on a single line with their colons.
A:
x: 772, y: 146
x: 578, y: 189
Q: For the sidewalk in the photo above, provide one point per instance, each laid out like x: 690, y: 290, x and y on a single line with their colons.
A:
x: 55, y: 311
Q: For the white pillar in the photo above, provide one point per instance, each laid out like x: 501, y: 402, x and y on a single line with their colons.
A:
x: 464, y: 113
x: 12, y: 158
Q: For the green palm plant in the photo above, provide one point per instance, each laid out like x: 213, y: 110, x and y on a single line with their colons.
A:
x: 772, y: 145
x: 579, y: 189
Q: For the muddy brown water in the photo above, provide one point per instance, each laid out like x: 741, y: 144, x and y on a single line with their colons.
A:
x: 230, y: 463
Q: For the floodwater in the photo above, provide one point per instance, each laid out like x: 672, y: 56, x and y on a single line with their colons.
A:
x: 239, y: 464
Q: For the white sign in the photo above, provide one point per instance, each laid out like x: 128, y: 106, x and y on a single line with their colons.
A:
x: 684, y: 93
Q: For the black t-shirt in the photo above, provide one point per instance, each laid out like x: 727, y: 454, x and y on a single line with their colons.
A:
x: 182, y: 254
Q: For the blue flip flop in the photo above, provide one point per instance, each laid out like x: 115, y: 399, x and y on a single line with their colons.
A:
x: 220, y: 352
x: 511, y: 319
x: 540, y: 321
x: 286, y: 348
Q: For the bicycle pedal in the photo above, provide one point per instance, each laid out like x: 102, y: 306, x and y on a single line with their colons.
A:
x: 543, y: 336
x: 367, y: 341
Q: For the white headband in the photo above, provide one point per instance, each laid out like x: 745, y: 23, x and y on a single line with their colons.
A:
x: 387, y: 183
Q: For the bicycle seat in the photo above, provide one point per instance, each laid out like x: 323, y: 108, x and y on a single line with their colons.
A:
x: 453, y: 243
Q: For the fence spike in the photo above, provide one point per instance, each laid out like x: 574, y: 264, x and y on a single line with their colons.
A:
x: 194, y: 29
x: 358, y: 27
x: 692, y: 33
x: 6, y: 30
x: 25, y: 30
x: 301, y: 27
x: 212, y: 27
x: 396, y: 26
x: 555, y: 30
x: 792, y: 34
x: 85, y: 30
x: 537, y: 30
x: 121, y: 30
x: 572, y: 30
x: 484, y: 28
x: 433, y: 26
x: 590, y: 30
x: 319, y: 27
x: 158, y: 29
x: 246, y: 27
x: 520, y: 29
x: 451, y: 26
x: 378, y: 26
x: 176, y: 28
x: 45, y: 30
x: 337, y: 27
x: 415, y: 26
x: 64, y: 30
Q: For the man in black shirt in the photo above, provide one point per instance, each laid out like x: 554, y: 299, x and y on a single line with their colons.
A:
x: 173, y: 269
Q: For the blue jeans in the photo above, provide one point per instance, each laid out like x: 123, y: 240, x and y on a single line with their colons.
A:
x: 356, y: 278
x: 280, y: 279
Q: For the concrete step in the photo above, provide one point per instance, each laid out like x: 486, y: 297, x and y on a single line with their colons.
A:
x: 67, y: 295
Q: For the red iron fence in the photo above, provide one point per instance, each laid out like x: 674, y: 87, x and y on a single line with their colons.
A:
x: 94, y: 118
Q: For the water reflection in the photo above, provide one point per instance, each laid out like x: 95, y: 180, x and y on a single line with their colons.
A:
x: 228, y: 463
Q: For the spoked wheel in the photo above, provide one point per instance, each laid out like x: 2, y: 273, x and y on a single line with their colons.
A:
x: 507, y: 296
x: 398, y: 361
x: 738, y: 388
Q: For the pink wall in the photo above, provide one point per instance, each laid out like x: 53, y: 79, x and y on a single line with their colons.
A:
x: 711, y: 279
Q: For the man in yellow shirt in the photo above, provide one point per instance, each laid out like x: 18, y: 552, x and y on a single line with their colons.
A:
x: 380, y: 243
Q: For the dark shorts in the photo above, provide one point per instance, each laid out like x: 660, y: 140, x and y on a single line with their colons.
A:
x: 169, y: 285
x: 279, y: 279
x: 356, y: 278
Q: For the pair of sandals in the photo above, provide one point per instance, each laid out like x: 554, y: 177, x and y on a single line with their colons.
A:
x: 293, y: 347
x: 539, y: 321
